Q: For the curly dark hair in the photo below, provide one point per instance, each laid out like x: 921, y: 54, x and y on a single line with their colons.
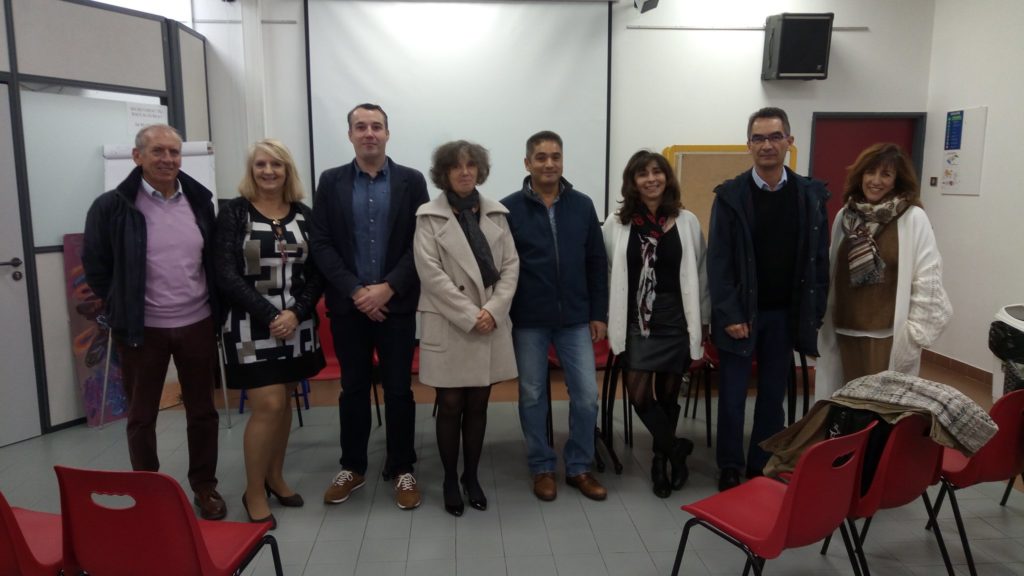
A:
x: 887, y: 155
x: 448, y: 155
x: 671, y: 200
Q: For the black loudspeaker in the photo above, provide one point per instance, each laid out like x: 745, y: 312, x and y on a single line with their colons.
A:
x: 796, y: 46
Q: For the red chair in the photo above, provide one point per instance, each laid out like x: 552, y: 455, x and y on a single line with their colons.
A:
x: 156, y: 533
x: 29, y: 542
x: 910, y: 462
x: 764, y: 516
x: 998, y: 460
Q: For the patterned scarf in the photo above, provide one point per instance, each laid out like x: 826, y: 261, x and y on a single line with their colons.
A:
x: 470, y: 223
x: 650, y: 229
x: 862, y: 223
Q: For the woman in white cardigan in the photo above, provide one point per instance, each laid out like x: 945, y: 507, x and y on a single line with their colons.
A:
x: 886, y: 300
x: 658, y: 304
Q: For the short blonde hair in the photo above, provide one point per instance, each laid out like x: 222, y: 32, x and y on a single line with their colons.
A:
x: 278, y: 151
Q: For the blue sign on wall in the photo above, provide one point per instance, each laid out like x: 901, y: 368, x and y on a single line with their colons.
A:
x: 954, y: 129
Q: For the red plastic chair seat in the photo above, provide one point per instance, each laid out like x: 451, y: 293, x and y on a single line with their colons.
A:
x: 30, y: 541
x: 122, y: 539
x: 749, y: 519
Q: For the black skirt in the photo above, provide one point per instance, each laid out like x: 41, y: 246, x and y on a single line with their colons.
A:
x: 667, y: 347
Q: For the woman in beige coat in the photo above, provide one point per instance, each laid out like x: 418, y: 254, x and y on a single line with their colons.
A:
x: 468, y: 270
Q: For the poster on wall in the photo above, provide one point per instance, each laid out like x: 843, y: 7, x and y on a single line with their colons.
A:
x: 89, y: 341
x: 963, y: 150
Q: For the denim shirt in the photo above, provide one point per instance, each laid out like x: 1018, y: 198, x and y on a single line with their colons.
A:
x: 371, y: 202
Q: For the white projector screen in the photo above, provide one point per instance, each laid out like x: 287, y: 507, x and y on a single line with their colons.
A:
x: 492, y: 73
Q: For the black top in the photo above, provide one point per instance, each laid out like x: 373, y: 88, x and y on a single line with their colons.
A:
x: 775, y: 244
x: 666, y: 268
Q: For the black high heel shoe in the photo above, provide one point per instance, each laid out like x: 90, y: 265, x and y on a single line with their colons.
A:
x: 680, y: 472
x: 269, y: 518
x: 477, y: 498
x: 293, y: 501
x: 453, y: 500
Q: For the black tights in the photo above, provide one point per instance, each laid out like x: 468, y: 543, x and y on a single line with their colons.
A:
x: 461, y: 412
x: 657, y: 405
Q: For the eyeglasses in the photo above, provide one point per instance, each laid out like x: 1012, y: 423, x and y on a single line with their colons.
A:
x: 774, y: 138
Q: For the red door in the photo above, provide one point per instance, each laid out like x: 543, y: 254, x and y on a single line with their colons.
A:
x: 837, y: 140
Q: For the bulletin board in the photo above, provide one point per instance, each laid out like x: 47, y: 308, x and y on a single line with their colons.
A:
x: 700, y: 169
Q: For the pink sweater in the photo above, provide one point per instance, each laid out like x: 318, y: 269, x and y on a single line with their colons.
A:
x: 176, y: 293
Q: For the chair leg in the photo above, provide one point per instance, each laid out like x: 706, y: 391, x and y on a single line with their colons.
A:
x: 824, y: 544
x: 707, y: 404
x: 682, y: 545
x: 276, y: 554
x: 298, y: 407
x: 376, y: 401
x: 850, y: 550
x: 434, y: 413
x: 938, y: 533
x: 959, y: 526
x: 1009, y: 488
x: 938, y: 505
x: 241, y: 401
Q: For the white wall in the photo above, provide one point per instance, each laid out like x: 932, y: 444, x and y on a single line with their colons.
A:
x: 284, y: 110
x: 699, y: 86
x: 975, y: 61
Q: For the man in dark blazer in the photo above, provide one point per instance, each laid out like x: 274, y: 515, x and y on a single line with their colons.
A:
x: 364, y: 218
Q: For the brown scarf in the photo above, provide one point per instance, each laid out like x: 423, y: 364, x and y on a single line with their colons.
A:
x: 862, y: 223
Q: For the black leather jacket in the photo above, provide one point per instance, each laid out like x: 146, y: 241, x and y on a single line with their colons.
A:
x: 114, y: 252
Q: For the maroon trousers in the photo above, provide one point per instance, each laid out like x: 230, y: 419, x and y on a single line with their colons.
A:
x: 143, y: 370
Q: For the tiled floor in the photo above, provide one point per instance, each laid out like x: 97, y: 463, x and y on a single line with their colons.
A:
x: 632, y: 533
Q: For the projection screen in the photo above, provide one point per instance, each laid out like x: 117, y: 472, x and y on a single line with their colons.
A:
x: 492, y: 73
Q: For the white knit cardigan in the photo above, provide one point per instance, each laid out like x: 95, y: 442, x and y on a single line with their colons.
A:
x: 693, y: 280
x: 922, y: 307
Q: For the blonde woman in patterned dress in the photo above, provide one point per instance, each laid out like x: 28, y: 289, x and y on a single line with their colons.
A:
x: 271, y: 287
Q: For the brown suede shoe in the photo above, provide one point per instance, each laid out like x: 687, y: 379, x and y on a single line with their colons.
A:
x: 588, y: 485
x: 544, y: 486
x: 211, y: 505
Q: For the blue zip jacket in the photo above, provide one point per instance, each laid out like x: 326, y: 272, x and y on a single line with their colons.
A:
x: 563, y: 283
x: 732, y: 270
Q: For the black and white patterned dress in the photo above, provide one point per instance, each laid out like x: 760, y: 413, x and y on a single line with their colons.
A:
x: 264, y: 268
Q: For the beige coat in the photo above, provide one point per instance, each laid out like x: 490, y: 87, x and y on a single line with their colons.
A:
x: 452, y: 294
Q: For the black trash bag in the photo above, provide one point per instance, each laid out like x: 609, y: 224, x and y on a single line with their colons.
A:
x: 1006, y: 342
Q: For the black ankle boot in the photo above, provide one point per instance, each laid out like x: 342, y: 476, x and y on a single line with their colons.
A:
x: 659, y: 477
x: 680, y: 472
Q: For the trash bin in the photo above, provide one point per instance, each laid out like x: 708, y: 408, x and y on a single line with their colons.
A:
x: 1006, y: 341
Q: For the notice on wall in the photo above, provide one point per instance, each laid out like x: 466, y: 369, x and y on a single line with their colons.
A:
x: 142, y: 115
x: 963, y: 151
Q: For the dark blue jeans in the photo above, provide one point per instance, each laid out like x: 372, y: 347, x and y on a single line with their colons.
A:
x: 774, y: 354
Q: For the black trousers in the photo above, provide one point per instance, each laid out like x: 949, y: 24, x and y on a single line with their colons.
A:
x: 394, y: 339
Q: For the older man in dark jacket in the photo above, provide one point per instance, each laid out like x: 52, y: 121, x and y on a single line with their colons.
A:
x: 148, y: 255
x: 768, y: 277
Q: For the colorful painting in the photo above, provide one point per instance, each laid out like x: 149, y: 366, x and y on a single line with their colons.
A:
x: 89, y: 342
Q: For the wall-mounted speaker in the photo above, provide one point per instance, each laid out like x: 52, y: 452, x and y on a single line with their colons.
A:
x: 796, y: 46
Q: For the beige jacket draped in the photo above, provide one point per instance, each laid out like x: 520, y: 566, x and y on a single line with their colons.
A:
x: 452, y: 293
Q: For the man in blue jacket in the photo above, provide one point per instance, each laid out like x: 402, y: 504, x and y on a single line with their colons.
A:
x: 768, y: 277
x: 561, y: 300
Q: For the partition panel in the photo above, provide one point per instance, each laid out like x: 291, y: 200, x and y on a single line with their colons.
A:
x: 86, y: 43
x: 193, y: 84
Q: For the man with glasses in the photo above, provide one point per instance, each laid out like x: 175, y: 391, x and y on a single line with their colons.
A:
x: 768, y: 277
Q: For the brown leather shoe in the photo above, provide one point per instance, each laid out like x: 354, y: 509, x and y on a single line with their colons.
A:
x: 211, y: 505
x: 588, y: 485
x: 544, y: 486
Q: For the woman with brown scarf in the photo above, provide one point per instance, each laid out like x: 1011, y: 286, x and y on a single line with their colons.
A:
x: 887, y: 302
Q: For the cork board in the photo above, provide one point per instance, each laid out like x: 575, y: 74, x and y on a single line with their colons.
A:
x: 701, y: 168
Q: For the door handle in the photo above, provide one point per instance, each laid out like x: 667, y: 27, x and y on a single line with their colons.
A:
x: 13, y: 262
